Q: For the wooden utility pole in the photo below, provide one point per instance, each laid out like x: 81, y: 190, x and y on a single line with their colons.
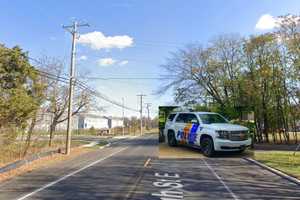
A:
x: 141, y: 112
x: 148, y: 114
x: 73, y: 30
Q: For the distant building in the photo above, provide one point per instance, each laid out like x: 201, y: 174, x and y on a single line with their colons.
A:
x: 44, y: 120
x: 86, y: 121
x: 114, y: 122
x: 80, y: 121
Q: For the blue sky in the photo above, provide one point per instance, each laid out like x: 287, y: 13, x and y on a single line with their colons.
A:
x: 156, y: 27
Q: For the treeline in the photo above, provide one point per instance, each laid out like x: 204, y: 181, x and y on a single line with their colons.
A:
x: 29, y: 93
x: 236, y: 76
x: 135, y: 123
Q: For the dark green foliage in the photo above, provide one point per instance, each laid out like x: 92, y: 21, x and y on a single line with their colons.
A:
x: 19, y: 88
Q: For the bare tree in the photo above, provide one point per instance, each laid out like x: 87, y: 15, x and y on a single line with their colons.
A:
x: 57, y: 94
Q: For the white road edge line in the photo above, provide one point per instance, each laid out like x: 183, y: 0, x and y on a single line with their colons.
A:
x: 70, y: 174
x: 221, y: 181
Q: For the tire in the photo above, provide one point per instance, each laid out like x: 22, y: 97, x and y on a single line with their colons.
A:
x: 207, y: 147
x: 171, y: 139
x: 161, y: 137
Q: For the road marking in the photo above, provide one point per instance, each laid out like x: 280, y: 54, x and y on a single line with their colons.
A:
x: 70, y: 174
x: 170, y: 186
x: 147, y: 162
x: 221, y: 181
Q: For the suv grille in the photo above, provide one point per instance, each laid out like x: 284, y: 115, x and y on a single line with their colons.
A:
x: 238, y: 135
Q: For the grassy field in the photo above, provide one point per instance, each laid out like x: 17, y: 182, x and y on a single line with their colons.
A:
x: 284, y: 161
x: 14, y: 151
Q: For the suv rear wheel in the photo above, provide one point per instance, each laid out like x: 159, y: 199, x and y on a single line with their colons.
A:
x: 171, y: 139
x: 207, y: 147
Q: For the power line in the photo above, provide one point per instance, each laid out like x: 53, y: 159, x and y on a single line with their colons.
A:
x: 53, y: 77
x: 41, y: 63
x: 83, y: 86
x: 102, y: 96
x: 129, y: 78
x: 149, y: 43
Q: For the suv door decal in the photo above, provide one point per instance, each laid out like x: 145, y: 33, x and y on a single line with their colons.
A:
x: 193, y: 134
x: 189, y: 134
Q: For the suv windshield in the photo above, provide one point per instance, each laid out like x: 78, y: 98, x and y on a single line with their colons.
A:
x: 212, y: 118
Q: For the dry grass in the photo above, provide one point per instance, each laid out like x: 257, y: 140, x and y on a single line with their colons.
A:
x: 14, y: 151
x: 45, y: 161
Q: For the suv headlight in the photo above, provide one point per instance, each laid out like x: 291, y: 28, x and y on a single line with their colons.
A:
x: 223, y: 134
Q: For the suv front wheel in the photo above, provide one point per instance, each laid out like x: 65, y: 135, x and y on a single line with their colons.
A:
x: 171, y: 139
x: 207, y: 147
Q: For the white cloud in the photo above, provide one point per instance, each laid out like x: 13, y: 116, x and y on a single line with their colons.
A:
x: 267, y: 22
x: 97, y: 40
x: 106, y: 61
x: 82, y: 58
x: 124, y: 62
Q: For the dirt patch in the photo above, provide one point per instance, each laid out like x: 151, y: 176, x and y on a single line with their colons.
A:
x: 43, y: 162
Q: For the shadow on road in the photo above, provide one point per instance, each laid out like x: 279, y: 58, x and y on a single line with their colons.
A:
x: 182, y: 151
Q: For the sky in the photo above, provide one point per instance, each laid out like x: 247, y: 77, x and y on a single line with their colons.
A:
x: 130, y: 38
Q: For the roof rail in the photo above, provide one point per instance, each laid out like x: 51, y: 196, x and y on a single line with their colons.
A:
x: 184, y: 109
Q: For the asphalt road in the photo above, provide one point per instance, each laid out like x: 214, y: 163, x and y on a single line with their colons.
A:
x: 130, y: 169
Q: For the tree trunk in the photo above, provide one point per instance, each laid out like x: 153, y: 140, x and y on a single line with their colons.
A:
x: 29, y: 135
x: 51, y: 133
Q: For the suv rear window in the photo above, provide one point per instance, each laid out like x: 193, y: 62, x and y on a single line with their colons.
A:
x: 181, y: 118
x: 171, y: 117
x: 186, y: 118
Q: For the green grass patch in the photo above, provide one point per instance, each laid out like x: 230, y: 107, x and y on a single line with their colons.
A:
x: 284, y: 161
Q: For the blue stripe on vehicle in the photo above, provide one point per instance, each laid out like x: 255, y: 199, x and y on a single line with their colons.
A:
x: 193, y: 134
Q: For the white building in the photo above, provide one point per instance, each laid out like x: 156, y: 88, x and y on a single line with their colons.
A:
x: 114, y: 122
x: 86, y: 121
x: 80, y: 121
x: 44, y: 120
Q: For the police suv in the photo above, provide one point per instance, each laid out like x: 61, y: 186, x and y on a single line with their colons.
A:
x: 209, y: 131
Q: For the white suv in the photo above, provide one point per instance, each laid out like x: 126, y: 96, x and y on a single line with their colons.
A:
x: 209, y: 131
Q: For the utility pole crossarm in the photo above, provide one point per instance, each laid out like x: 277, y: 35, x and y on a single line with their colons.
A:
x: 73, y: 28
